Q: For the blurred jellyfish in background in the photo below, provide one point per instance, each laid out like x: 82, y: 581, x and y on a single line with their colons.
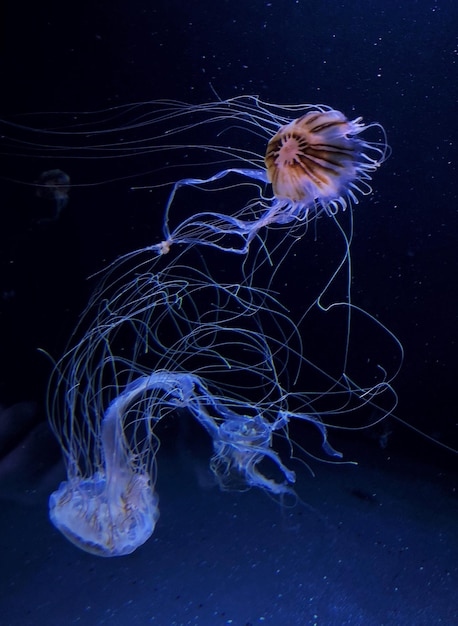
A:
x: 203, y: 319
x: 53, y: 186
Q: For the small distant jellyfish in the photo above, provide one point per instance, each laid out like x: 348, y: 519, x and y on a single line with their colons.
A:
x: 53, y: 186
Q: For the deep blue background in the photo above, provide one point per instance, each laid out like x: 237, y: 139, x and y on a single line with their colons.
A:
x: 389, y: 61
x: 374, y: 544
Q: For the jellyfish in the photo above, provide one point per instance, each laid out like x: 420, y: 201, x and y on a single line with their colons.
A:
x: 316, y: 164
x: 202, y: 320
x: 304, y: 160
x: 212, y: 356
x: 54, y: 185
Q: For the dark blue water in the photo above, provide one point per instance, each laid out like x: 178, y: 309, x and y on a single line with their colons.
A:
x: 376, y: 544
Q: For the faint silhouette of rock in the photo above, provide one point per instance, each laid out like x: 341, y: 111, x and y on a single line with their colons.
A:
x: 30, y: 465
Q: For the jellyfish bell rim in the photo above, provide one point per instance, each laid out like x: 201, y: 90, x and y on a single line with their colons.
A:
x: 86, y: 514
x: 319, y: 158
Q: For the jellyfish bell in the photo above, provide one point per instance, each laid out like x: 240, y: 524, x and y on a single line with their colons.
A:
x: 113, y: 511
x: 105, y: 518
x: 318, y: 158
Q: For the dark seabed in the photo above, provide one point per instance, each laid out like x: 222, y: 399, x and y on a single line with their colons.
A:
x: 374, y: 544
x: 371, y: 544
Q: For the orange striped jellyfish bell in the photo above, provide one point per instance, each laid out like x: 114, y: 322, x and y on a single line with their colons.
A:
x: 319, y: 159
